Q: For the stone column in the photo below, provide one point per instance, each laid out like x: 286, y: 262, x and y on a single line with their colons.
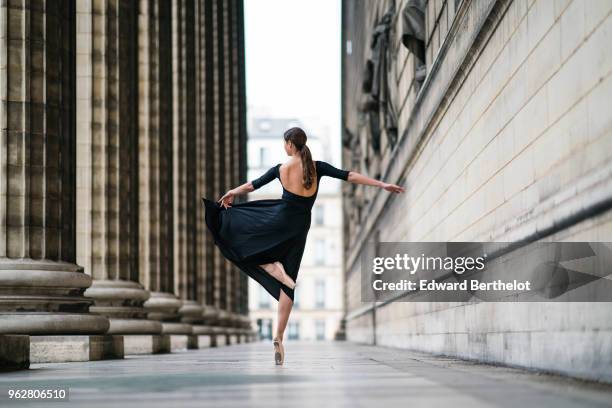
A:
x: 41, y: 286
x: 234, y: 113
x: 207, y: 256
x: 231, y: 149
x: 185, y: 170
x: 156, y: 243
x: 228, y: 142
x: 107, y: 163
x: 239, y: 95
x: 212, y: 188
x: 217, y: 134
x: 222, y: 160
x: 242, y: 137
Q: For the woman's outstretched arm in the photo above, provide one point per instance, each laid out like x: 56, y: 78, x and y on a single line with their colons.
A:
x: 358, y: 178
x: 268, y: 176
x: 326, y: 169
x: 228, y: 198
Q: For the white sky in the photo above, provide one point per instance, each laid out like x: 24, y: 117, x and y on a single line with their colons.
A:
x: 293, y: 61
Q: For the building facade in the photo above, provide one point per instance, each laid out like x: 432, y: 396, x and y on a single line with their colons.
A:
x: 317, y: 308
x: 494, y: 116
x: 117, y: 117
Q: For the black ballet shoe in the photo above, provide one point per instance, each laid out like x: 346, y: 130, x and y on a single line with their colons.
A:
x: 279, y: 351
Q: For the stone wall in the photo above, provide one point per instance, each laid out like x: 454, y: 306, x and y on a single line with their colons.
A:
x: 507, y: 138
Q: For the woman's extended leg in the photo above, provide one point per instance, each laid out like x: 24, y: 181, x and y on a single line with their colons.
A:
x: 277, y: 271
x: 284, y: 310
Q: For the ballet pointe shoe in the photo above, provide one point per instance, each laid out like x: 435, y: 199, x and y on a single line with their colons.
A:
x: 279, y: 351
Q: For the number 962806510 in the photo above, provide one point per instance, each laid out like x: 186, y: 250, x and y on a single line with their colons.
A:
x: 39, y: 394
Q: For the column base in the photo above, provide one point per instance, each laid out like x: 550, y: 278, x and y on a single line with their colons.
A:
x: 121, y: 302
x: 232, y: 335
x: 134, y: 326
x: 176, y: 328
x: 146, y: 344
x: 210, y: 315
x: 245, y: 335
x: 202, y: 337
x: 241, y: 334
x: 179, y: 334
x: 251, y: 335
x: 46, y: 298
x: 221, y: 337
x: 14, y: 352
x: 191, y: 312
x: 179, y: 342
x: 162, y: 306
x: 246, y: 329
x: 200, y: 341
x: 61, y: 349
x: 49, y: 323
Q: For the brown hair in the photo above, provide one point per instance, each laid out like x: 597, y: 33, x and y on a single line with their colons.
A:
x: 298, y: 137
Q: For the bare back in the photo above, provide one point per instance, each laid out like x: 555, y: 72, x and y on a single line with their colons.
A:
x: 292, y: 176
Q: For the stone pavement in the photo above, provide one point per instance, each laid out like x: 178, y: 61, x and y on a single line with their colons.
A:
x: 315, y: 375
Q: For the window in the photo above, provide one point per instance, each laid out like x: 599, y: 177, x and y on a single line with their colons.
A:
x: 294, y: 331
x: 319, y: 251
x: 264, y: 298
x: 263, y: 156
x: 265, y: 125
x: 319, y: 214
x: 320, y: 293
x: 320, y: 329
x: 265, y: 328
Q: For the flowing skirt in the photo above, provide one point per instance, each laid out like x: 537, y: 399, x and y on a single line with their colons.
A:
x: 259, y: 232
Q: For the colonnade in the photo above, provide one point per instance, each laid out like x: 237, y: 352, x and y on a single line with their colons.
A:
x: 116, y: 117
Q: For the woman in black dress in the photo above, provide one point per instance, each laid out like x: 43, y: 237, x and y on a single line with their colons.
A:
x: 266, y: 238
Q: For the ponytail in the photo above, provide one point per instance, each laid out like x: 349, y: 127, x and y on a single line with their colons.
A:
x: 307, y: 166
x: 298, y: 137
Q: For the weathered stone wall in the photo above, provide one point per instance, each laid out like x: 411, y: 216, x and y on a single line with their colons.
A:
x: 508, y: 138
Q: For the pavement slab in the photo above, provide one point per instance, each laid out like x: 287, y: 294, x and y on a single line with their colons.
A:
x: 315, y: 374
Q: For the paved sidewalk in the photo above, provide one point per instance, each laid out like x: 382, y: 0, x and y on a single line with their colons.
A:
x: 315, y: 375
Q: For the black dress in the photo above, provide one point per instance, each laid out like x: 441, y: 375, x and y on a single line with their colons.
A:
x: 264, y: 231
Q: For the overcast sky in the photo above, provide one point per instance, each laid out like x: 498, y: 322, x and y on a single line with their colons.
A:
x: 293, y: 60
